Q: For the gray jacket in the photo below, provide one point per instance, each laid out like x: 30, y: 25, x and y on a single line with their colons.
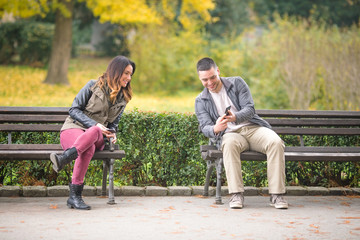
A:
x: 91, y: 106
x: 239, y: 94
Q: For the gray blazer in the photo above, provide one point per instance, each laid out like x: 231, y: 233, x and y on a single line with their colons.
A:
x: 239, y: 94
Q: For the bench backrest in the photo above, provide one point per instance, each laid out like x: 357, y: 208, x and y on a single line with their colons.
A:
x: 32, y: 119
x: 292, y: 122
x: 284, y: 122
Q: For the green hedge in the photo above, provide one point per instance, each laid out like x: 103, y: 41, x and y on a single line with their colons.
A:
x: 163, y: 149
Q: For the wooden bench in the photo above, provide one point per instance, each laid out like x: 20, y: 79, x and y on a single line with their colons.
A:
x: 300, y: 123
x: 48, y: 119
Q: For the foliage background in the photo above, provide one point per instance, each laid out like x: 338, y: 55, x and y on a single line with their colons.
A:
x: 291, y: 65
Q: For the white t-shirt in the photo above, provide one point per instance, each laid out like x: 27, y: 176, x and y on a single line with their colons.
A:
x: 222, y: 101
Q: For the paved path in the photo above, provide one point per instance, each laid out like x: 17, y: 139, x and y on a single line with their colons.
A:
x: 180, y: 217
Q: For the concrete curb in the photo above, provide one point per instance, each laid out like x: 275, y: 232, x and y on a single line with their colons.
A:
x: 63, y: 191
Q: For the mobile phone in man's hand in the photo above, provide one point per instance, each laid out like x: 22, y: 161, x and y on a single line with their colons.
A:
x: 227, y: 110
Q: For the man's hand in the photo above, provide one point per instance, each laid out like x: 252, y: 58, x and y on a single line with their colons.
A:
x: 221, y: 124
x: 231, y: 117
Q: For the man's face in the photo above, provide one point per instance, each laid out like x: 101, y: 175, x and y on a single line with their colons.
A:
x: 210, y: 79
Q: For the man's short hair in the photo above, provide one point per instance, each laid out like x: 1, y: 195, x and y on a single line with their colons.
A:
x: 205, y: 64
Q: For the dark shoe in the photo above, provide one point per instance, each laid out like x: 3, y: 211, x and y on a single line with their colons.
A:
x: 75, y: 199
x: 277, y: 201
x: 60, y: 160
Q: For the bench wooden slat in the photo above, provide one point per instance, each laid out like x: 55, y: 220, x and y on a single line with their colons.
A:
x: 204, y: 148
x: 32, y: 118
x: 326, y: 157
x: 308, y: 114
x: 33, y: 147
x: 316, y: 131
x: 35, y: 110
x: 296, y: 156
x: 36, y: 147
x: 45, y: 154
x: 323, y: 149
x: 313, y: 122
x: 30, y: 127
x: 296, y: 153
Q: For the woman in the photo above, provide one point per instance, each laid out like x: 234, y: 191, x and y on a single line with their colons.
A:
x: 95, y: 113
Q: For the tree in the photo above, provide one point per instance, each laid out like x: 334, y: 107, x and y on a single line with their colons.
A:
x: 61, y: 46
x: 117, y: 11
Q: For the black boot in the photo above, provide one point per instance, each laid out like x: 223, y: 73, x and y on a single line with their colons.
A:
x: 60, y: 160
x: 75, y: 199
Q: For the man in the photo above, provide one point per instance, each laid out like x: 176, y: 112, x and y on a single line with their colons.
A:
x: 239, y: 130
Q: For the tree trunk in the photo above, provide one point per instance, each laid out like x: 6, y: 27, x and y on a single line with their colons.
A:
x: 61, y: 47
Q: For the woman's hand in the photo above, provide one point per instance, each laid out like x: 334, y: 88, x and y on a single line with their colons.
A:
x: 107, y: 133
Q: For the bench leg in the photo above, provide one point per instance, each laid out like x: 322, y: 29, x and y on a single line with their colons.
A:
x: 219, y: 164
x: 210, y: 167
x: 111, y: 182
x: 104, y: 180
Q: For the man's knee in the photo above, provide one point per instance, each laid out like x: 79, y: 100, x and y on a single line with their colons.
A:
x: 234, y: 145
x: 278, y: 142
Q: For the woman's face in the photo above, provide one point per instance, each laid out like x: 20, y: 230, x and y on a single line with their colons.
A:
x: 126, y: 76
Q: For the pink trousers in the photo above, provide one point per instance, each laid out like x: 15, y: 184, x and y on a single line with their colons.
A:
x: 85, y: 142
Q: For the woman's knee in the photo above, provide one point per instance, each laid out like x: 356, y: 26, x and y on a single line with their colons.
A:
x: 94, y: 130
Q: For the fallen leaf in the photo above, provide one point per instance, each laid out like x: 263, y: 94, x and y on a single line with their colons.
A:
x: 53, y: 206
x: 352, y: 233
x: 312, y: 225
x: 346, y: 222
x: 200, y: 196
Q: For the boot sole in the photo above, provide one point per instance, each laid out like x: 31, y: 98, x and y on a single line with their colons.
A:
x: 73, y: 207
x: 54, y: 161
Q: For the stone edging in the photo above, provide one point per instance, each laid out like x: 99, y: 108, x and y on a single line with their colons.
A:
x: 63, y: 191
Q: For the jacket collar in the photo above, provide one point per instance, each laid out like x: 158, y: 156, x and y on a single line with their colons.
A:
x: 205, y: 94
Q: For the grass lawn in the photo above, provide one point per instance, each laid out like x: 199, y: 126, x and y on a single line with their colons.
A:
x: 22, y: 86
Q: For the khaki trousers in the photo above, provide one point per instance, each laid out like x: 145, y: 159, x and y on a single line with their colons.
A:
x: 259, y: 139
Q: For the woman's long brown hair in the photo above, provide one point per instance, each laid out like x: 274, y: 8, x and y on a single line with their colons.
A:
x: 113, y: 75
